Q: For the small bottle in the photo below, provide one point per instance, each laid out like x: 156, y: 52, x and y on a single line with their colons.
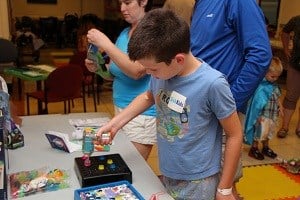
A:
x: 87, y: 145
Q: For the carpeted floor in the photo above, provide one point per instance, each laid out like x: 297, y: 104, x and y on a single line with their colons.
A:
x: 269, y: 182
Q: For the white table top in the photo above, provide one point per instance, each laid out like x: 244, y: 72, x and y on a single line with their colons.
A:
x: 37, y: 153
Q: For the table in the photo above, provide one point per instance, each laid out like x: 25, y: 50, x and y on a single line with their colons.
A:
x: 36, y: 73
x: 37, y: 153
x: 32, y: 73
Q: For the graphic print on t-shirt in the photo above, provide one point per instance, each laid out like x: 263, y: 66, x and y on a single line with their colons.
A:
x: 170, y: 124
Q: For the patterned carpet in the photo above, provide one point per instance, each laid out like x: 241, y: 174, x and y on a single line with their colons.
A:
x: 269, y: 182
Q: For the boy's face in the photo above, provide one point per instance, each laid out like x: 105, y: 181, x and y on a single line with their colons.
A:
x: 161, y: 70
x: 272, y: 76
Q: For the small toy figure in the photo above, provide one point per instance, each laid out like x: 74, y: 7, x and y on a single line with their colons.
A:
x: 87, y: 145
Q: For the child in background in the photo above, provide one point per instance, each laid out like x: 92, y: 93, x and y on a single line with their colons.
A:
x: 262, y: 112
x: 193, y: 103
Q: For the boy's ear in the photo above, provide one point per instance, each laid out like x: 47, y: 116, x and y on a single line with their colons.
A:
x: 179, y: 58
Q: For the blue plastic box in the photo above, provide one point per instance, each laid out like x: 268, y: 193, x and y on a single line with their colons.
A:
x: 108, y: 191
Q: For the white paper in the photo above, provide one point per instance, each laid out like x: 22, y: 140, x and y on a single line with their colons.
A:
x: 71, y: 145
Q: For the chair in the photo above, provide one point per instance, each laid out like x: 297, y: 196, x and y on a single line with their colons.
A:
x: 9, y: 52
x: 88, y: 77
x: 26, y: 51
x: 49, y: 29
x: 62, y: 85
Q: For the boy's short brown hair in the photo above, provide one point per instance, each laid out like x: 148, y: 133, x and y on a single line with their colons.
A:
x: 161, y: 34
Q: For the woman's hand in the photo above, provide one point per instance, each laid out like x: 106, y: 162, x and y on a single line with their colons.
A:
x: 98, y: 38
x: 90, y: 65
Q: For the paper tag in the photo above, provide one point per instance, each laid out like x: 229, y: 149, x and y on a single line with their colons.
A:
x: 177, y: 102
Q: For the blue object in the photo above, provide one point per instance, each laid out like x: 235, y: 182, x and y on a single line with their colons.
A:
x: 95, y: 192
x: 125, y: 89
x: 256, y: 104
x: 92, y: 48
x: 233, y: 39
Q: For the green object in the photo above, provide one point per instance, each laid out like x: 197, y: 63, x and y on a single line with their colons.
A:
x: 24, y: 74
x: 101, y: 68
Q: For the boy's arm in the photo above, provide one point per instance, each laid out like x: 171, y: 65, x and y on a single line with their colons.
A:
x: 233, y: 130
x: 136, y: 107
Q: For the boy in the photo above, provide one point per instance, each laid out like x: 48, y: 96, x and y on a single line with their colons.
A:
x: 262, y: 112
x: 193, y: 101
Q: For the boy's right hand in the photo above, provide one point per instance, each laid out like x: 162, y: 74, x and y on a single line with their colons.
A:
x: 106, y: 134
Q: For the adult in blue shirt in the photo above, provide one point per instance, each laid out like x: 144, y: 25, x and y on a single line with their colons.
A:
x: 231, y: 36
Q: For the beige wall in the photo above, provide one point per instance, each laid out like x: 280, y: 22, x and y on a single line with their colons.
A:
x: 288, y: 9
x: 21, y: 8
x: 4, y: 24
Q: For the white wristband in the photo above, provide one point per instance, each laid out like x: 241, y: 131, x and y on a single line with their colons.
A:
x: 225, y: 192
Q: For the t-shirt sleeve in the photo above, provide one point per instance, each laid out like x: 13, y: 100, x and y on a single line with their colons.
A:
x: 221, y: 99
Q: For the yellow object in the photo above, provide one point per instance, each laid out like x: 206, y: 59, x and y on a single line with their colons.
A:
x: 101, y: 167
x: 266, y: 182
x: 109, y: 161
x: 88, y: 130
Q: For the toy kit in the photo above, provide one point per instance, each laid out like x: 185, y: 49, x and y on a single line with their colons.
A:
x: 35, y: 181
x: 102, y: 169
x: 121, y: 190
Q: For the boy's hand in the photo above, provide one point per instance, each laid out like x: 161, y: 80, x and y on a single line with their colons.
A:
x: 259, y: 120
x: 106, y: 134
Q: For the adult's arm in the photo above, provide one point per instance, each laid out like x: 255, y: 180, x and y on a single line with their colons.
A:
x: 130, y: 68
x: 252, y: 34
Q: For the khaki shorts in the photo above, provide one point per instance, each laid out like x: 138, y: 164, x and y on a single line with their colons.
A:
x: 141, y: 129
